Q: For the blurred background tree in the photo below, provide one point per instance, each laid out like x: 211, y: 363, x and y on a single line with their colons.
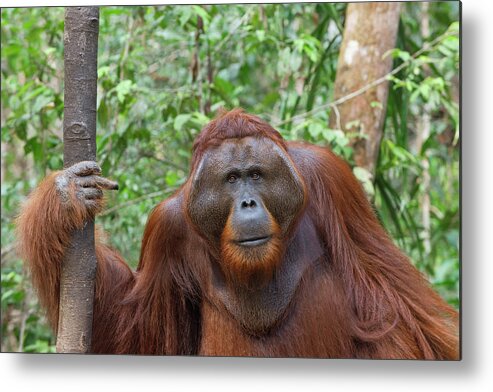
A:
x: 163, y: 73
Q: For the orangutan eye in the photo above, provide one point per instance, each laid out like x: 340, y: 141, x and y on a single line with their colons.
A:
x: 232, y: 178
x: 255, y: 176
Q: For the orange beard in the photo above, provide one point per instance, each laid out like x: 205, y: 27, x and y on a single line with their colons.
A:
x: 251, y: 267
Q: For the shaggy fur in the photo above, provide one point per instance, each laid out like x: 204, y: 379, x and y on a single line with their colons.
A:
x: 361, y: 299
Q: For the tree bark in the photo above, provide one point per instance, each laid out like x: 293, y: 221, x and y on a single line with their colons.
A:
x: 370, y: 31
x: 79, y: 138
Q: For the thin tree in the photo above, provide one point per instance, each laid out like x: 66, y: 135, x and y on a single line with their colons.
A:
x: 370, y: 31
x: 79, y: 138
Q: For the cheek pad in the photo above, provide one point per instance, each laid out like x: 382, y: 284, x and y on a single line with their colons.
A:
x: 208, y: 206
x: 283, y: 194
x: 284, y: 199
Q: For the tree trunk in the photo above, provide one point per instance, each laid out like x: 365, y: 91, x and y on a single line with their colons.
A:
x: 370, y: 31
x: 79, y: 138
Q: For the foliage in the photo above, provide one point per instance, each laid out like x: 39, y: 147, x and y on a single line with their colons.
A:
x: 164, y: 71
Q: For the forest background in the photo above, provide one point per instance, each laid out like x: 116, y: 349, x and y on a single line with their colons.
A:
x: 163, y: 73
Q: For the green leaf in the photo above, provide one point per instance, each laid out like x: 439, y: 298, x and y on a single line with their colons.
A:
x: 55, y: 163
x: 186, y: 14
x: 223, y: 86
x: 34, y: 146
x: 180, y: 121
x: 366, y: 179
x: 41, y: 102
x: 271, y: 98
x: 123, y: 89
x: 376, y: 104
x: 309, y: 45
x: 199, y: 119
x: 398, y: 54
x: 315, y: 129
x: 172, y: 178
x: 362, y: 174
x: 199, y: 11
x: 260, y: 35
x: 454, y: 27
x: 103, y: 71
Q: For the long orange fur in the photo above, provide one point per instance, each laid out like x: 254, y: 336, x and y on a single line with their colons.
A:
x: 363, y: 299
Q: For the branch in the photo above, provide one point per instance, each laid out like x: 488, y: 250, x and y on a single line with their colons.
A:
x: 135, y: 201
x: 78, y: 269
x: 243, y: 19
x: 376, y: 82
x: 165, y: 161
